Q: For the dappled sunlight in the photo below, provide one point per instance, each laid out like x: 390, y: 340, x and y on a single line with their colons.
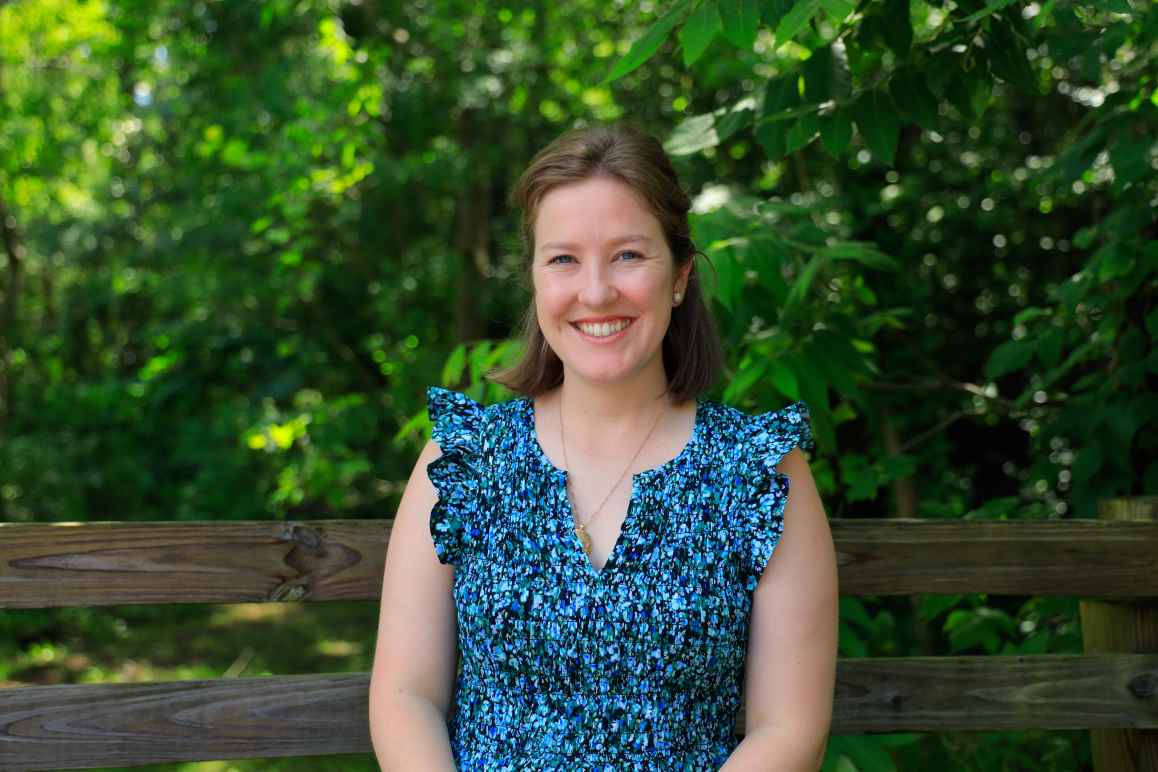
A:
x: 226, y: 616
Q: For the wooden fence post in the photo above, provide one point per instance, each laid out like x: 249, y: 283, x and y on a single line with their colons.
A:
x: 1129, y: 627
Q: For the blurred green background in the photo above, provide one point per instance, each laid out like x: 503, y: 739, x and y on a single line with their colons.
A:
x: 239, y: 239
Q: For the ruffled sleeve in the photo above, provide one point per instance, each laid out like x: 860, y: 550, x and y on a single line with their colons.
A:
x: 457, y: 475
x: 764, y: 491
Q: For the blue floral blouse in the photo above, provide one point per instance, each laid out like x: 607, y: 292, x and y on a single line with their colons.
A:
x: 635, y: 666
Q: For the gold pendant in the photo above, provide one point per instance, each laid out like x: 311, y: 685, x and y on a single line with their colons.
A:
x: 584, y: 539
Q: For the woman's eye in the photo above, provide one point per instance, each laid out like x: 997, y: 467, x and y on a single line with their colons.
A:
x: 560, y: 258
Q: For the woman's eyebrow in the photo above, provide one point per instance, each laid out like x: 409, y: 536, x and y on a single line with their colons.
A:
x: 612, y: 243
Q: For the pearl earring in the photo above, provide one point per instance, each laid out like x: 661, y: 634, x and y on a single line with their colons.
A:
x: 677, y: 297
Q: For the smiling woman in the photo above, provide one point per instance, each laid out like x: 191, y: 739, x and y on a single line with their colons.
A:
x: 599, y: 550
x: 584, y: 199
x: 604, y: 311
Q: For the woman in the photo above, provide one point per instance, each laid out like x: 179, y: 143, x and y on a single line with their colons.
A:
x: 600, y: 549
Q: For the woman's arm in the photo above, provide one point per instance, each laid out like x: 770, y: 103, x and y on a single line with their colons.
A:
x: 412, y: 680
x: 791, y: 661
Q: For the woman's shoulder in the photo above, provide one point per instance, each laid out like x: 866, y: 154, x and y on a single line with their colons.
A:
x: 440, y: 397
x: 741, y: 421
x: 456, y: 413
x: 729, y: 426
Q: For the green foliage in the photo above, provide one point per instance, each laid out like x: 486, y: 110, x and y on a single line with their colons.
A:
x: 646, y: 46
x: 242, y: 238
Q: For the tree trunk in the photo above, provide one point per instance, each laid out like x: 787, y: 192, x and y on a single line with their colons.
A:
x: 9, y: 317
x: 472, y: 231
x: 9, y: 313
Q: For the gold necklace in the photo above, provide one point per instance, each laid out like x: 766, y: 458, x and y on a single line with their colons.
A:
x: 581, y: 528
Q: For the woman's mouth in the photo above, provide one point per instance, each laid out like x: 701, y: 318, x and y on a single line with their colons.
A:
x: 603, y: 332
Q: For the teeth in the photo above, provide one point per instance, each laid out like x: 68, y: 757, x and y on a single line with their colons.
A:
x: 605, y: 329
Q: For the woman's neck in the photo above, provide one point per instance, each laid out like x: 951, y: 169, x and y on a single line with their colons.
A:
x: 593, y: 413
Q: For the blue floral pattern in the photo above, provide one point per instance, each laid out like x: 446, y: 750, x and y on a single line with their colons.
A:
x: 635, y: 666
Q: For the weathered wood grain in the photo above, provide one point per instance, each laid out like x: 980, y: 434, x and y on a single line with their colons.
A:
x: 84, y: 726
x: 100, y: 564
x: 1123, y: 628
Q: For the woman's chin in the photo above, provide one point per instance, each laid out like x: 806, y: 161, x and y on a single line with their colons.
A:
x: 608, y: 374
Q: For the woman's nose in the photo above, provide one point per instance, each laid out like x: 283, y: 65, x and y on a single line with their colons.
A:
x: 598, y: 288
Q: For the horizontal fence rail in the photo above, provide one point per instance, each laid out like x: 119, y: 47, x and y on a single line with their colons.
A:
x: 103, y: 564
x: 84, y: 726
x: 98, y: 564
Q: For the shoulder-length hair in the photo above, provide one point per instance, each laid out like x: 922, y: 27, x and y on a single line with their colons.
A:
x: 692, y: 353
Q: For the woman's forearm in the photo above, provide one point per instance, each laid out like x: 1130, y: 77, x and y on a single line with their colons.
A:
x: 409, y: 733
x: 764, y: 750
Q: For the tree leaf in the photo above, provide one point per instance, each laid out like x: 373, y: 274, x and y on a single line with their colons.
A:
x: 850, y: 646
x: 795, y: 20
x: 838, y: 9
x: 1129, y: 155
x: 800, y: 133
x: 878, y: 124
x: 793, y: 112
x: 1007, y: 56
x: 990, y: 8
x: 803, y: 282
x: 745, y: 379
x: 835, y: 132
x: 740, y: 19
x: 771, y: 136
x: 772, y: 11
x: 939, y: 70
x: 818, y: 75
x: 871, y: 757
x: 898, y: 29
x: 646, y: 46
x: 853, y: 610
x: 969, y: 92
x: 693, y: 135
x: 479, y: 356
x: 1115, y: 6
x: 768, y: 255
x: 780, y: 93
x: 699, y: 31
x: 1008, y: 357
x: 729, y: 274
x: 730, y: 121
x: 860, y: 478
x: 813, y: 387
x: 838, y: 360
x: 1112, y: 262
x: 914, y: 99
x: 1087, y: 463
x: 863, y: 252
x: 784, y: 379
x: 1049, y: 346
x: 710, y: 129
x: 455, y: 364
x: 932, y: 606
x: 732, y: 275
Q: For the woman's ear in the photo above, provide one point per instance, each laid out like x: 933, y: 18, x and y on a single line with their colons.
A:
x: 682, y: 277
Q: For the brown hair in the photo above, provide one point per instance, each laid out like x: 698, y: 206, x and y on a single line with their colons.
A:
x: 692, y: 353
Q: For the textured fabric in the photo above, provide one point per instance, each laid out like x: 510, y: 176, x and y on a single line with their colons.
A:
x: 635, y: 666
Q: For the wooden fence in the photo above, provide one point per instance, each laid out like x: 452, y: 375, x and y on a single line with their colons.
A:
x: 1112, y: 689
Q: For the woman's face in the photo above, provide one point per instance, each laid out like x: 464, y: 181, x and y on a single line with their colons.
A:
x: 600, y: 257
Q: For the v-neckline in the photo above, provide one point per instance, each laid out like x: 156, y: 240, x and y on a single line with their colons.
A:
x: 566, y: 511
